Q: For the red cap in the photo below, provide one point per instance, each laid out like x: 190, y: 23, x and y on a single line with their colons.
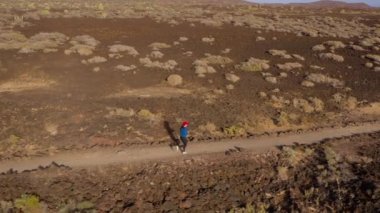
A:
x: 185, y: 123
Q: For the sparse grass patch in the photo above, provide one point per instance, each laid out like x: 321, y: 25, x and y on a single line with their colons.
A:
x: 147, y: 115
x: 296, y: 155
x: 234, y: 130
x: 209, y: 128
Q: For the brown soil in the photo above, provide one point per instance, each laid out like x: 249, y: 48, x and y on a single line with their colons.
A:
x: 338, y: 174
x: 77, y: 103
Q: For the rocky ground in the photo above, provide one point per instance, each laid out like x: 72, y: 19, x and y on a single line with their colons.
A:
x: 335, y: 175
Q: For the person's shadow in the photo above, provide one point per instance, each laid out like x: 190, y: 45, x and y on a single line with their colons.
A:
x: 174, y: 140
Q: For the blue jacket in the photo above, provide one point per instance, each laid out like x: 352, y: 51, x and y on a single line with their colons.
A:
x: 183, y: 132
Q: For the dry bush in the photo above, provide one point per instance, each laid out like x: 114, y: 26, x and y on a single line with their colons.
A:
x: 94, y: 60
x: 46, y: 42
x: 147, y: 115
x: 117, y: 48
x: 156, y: 54
x: 202, y: 68
x: 370, y: 41
x: 83, y: 45
x: 368, y: 65
x: 308, y: 106
x: 315, y: 67
x: 271, y: 79
x: 26, y: 82
x: 159, y: 45
x: 307, y: 83
x: 283, y: 173
x: 331, y: 56
x: 168, y: 65
x: 262, y: 94
x: 335, y: 44
x: 232, y: 77
x: 319, y: 47
x: 12, y: 40
x: 96, y: 69
x: 125, y: 68
x: 115, y: 55
x: 254, y: 65
x: 281, y: 53
x: 298, y: 57
x: 51, y: 128
x: 356, y: 47
x: 234, y: 130
x: 284, y: 54
x: 344, y: 102
x: 209, y: 40
x: 210, y: 128
x: 278, y: 102
x: 317, y: 103
x: 374, y: 58
x: 211, y: 22
x: 216, y: 59
x: 282, y: 119
x: 226, y: 51
x: 260, y: 38
x: 183, y: 39
x: 323, y: 79
x: 120, y: 112
x: 289, y: 66
x: 295, y: 155
x: 188, y: 53
x: 174, y: 80
x: 303, y: 105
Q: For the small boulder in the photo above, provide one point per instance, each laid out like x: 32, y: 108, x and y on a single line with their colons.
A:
x: 174, y: 80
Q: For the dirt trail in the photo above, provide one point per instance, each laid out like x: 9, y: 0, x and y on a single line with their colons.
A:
x: 118, y: 156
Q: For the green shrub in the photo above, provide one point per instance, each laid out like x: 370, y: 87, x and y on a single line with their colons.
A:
x: 29, y: 203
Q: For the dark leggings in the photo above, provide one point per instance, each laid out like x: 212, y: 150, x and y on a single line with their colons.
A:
x: 184, y: 143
